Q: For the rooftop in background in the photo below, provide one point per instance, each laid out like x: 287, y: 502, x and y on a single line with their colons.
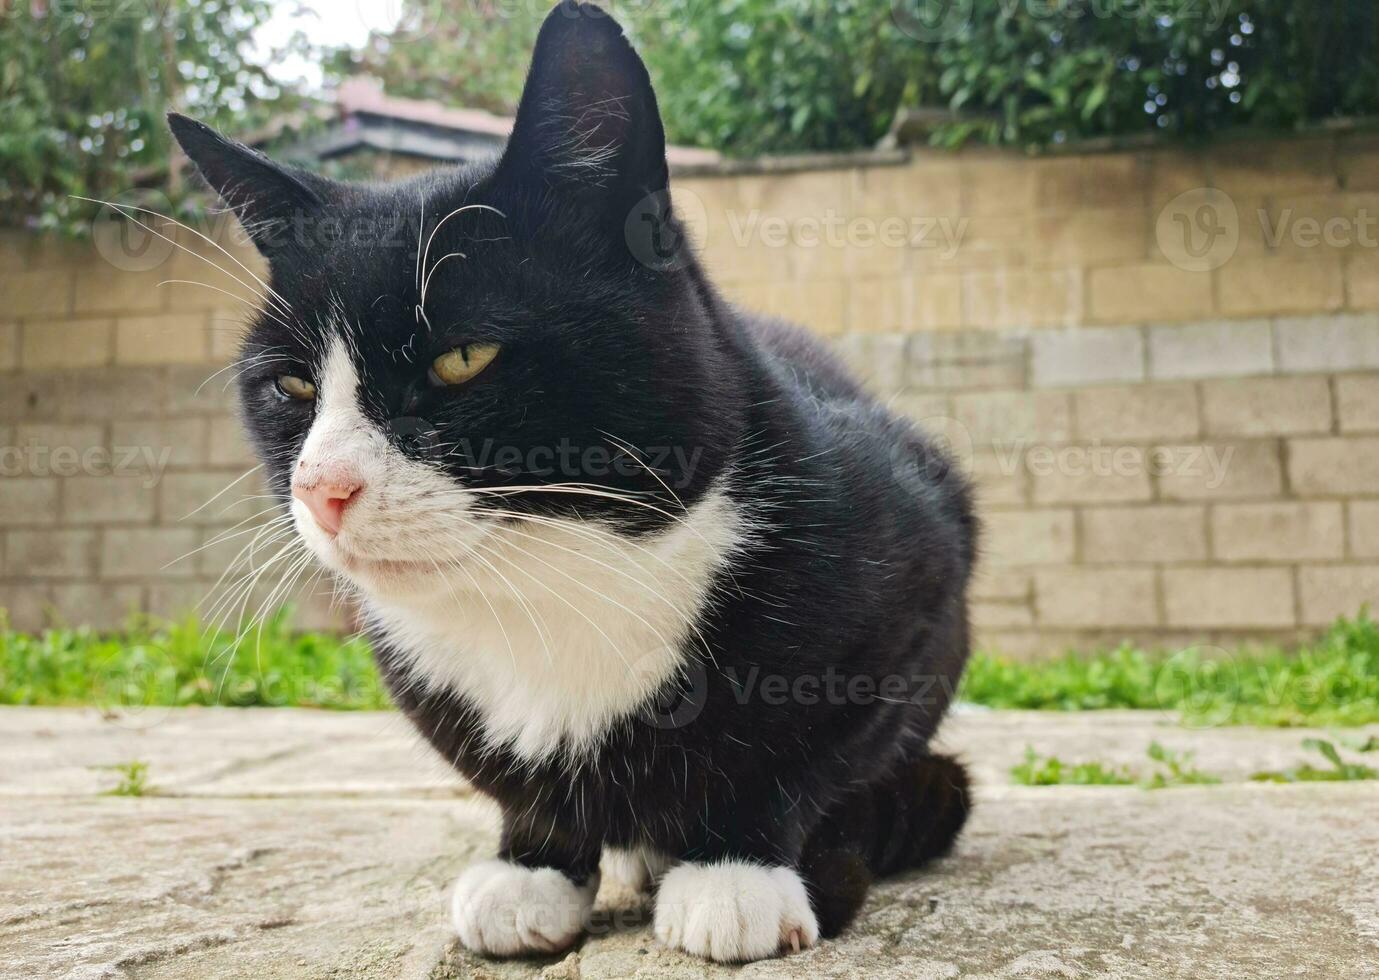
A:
x: 367, y: 120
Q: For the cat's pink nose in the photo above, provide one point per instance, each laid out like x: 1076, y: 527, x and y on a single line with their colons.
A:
x: 327, y: 499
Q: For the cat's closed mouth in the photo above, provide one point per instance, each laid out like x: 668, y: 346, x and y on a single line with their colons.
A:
x: 388, y: 567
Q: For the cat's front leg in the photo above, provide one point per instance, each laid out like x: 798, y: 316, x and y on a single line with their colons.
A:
x: 532, y: 898
x: 734, y: 910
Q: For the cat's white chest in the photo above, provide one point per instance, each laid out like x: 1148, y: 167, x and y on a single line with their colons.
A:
x: 555, y: 634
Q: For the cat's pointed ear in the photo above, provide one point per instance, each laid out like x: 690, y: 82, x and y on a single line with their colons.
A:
x: 588, y: 121
x: 270, y: 199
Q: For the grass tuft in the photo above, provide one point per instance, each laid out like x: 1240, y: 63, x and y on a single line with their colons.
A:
x: 1333, y: 682
x: 180, y: 664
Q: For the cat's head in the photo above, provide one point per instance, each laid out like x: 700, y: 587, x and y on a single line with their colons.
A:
x: 519, y: 337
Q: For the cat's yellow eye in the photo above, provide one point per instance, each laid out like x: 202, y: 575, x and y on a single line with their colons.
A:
x: 296, y: 388
x: 457, y: 366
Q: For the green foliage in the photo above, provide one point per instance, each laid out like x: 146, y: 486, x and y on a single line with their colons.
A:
x: 1053, y: 771
x: 133, y: 779
x: 84, y: 88
x: 1174, y: 770
x: 181, y: 664
x: 1177, y: 770
x: 1341, y: 771
x: 755, y: 76
x: 1042, y: 72
x: 1332, y: 682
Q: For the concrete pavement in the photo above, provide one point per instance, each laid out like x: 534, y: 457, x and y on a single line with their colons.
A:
x: 296, y: 844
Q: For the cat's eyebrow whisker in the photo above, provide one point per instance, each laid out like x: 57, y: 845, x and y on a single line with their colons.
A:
x: 426, y: 283
x: 264, y: 310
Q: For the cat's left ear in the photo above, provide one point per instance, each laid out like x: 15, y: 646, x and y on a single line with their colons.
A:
x: 274, y: 202
x: 588, y: 122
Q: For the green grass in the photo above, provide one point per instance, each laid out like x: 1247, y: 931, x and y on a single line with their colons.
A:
x: 1339, y: 771
x: 1172, y: 769
x: 1333, y: 682
x: 133, y: 779
x: 180, y: 664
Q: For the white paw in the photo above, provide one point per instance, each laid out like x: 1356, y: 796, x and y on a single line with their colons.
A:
x: 733, y: 911
x: 626, y: 875
x: 503, y: 909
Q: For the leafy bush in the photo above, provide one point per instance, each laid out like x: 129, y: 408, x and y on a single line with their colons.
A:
x: 758, y: 76
x: 84, y: 88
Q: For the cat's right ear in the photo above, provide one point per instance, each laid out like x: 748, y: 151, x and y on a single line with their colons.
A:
x: 270, y: 200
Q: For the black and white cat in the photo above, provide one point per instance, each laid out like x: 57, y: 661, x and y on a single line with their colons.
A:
x: 653, y: 573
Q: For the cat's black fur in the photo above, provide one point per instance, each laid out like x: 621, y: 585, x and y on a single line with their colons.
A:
x: 864, y: 537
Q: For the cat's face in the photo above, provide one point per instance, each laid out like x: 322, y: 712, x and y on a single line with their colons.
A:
x: 437, y: 357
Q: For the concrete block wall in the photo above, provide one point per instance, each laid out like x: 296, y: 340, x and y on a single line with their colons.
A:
x: 1161, y: 367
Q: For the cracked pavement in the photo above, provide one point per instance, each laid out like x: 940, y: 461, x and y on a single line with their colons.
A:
x: 298, y: 844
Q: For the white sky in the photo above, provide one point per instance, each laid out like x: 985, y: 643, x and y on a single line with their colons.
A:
x: 332, y: 22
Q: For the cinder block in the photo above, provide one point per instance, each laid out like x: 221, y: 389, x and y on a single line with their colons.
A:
x: 1364, y: 528
x: 1218, y: 470
x: 1357, y: 402
x: 1331, y: 591
x: 1315, y: 345
x: 1088, y: 474
x: 9, y: 346
x: 228, y: 445
x: 1002, y: 584
x: 997, y: 185
x: 1138, y: 413
x: 218, y: 497
x: 39, y: 292
x: 101, y: 605
x: 1148, y: 292
x: 1006, y: 417
x: 1229, y: 598
x: 1115, y: 180
x: 59, y: 449
x: 67, y: 344
x: 108, y: 499
x: 26, y: 605
x: 1090, y: 355
x: 1298, y: 166
x: 1273, y: 286
x: 1087, y: 238
x: 1021, y: 298
x: 151, y: 445
x: 1224, y: 349
x: 26, y: 501
x: 102, y: 288
x: 50, y: 553
x: 1143, y: 535
x: 1282, y: 532
x: 905, y: 303
x: 1357, y: 162
x: 1334, y: 467
x: 1096, y: 597
x: 1362, y: 281
x: 162, y: 552
x: 924, y: 187
x: 1029, y: 537
x: 1000, y: 615
x: 169, y: 339
x: 1267, y: 406
x: 998, y: 478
